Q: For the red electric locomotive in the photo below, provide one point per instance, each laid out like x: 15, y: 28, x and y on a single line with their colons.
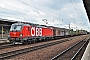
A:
x: 21, y: 33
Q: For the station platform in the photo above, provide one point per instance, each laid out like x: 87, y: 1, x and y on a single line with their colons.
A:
x: 86, y: 55
x: 3, y: 40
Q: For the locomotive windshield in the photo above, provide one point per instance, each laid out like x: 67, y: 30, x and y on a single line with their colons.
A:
x: 15, y: 28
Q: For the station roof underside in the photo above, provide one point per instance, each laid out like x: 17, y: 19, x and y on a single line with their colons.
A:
x: 6, y: 22
x: 87, y: 7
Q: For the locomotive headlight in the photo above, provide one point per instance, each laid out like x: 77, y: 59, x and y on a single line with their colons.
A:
x: 20, y: 35
x: 8, y: 35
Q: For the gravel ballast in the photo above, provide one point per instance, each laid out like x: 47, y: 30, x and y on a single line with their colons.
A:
x: 47, y: 53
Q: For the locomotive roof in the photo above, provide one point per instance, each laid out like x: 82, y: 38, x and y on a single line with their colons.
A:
x: 17, y: 24
x: 20, y: 23
x: 44, y: 26
x: 58, y: 28
x: 37, y: 25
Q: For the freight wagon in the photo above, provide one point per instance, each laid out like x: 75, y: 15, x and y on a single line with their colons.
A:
x: 60, y: 32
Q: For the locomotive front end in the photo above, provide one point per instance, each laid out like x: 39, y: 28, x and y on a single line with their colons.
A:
x: 15, y: 33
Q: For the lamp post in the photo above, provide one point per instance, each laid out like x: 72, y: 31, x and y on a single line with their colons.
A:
x: 88, y: 29
x: 69, y: 27
x: 2, y: 31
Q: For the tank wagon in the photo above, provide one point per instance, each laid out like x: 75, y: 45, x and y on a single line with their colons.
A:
x: 21, y: 33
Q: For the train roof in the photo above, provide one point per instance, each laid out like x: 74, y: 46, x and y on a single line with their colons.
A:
x: 37, y: 25
x: 17, y: 24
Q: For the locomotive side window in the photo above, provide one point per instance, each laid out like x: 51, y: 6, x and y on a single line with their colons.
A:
x: 15, y: 27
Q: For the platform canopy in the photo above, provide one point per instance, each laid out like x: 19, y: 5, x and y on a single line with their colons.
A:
x: 87, y: 7
x: 6, y: 23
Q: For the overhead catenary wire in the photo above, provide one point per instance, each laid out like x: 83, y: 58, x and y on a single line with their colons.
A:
x: 17, y: 11
x: 51, y: 15
x: 79, y: 10
x: 77, y: 7
x: 49, y: 10
x: 9, y: 17
x: 13, y: 11
x: 34, y: 7
x: 37, y: 8
x: 76, y: 10
x: 45, y: 7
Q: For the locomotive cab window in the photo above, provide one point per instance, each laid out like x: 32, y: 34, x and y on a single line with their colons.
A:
x: 15, y: 28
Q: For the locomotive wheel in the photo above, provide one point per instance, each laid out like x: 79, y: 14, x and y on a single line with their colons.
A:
x: 34, y: 40
x: 29, y: 41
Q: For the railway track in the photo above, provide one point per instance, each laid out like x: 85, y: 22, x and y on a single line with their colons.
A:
x: 7, y: 46
x: 10, y: 45
x: 17, y: 52
x: 5, y: 43
x: 72, y: 52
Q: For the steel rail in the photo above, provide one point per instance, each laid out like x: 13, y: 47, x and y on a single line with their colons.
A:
x: 78, y: 51
x: 55, y: 57
x: 30, y: 49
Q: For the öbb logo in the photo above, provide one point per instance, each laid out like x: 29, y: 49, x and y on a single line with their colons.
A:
x: 36, y: 31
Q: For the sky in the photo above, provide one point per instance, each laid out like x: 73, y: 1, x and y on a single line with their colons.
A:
x: 57, y: 13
